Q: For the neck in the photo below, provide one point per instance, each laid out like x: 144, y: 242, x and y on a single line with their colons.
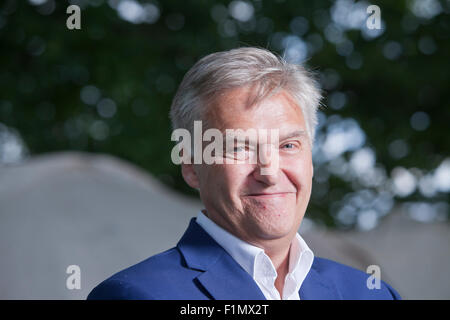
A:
x: 280, y: 260
x: 278, y: 254
x: 276, y: 249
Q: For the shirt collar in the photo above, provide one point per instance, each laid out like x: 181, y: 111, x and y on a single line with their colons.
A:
x: 250, y: 257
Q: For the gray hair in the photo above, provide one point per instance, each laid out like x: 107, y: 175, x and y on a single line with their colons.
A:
x: 242, y: 67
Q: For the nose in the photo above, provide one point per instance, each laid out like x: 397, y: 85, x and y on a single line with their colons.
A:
x: 267, y: 169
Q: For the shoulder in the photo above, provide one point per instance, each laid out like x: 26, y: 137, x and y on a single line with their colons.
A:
x: 353, y: 283
x: 151, y: 278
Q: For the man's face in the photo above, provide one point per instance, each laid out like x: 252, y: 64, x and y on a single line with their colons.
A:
x: 238, y: 197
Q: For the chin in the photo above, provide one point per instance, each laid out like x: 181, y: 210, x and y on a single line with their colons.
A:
x: 274, y: 233
x: 276, y: 224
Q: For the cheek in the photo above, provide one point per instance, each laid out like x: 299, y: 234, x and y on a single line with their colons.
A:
x: 234, y: 176
x: 209, y: 175
x: 299, y: 172
x: 225, y: 180
x: 235, y: 181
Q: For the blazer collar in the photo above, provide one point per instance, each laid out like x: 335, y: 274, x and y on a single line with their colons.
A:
x: 225, y: 279
x: 316, y: 287
x: 222, y: 277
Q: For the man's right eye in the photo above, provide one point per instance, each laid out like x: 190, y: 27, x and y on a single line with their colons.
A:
x: 235, y: 148
x: 238, y: 152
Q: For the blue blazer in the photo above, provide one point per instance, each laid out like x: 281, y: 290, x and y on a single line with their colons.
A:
x: 199, y: 268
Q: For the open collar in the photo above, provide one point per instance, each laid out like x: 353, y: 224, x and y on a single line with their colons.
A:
x: 225, y: 279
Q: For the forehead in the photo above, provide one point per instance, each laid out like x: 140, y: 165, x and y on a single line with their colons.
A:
x: 233, y: 109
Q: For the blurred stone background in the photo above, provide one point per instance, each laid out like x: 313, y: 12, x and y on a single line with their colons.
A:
x: 104, y: 214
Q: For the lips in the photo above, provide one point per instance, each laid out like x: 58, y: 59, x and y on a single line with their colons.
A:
x: 273, y: 194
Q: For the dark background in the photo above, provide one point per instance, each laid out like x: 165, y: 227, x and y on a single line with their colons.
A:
x: 107, y: 88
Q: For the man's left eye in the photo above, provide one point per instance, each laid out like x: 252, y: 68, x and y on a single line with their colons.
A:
x: 289, y: 146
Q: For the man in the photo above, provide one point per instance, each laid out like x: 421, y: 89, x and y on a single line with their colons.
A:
x: 244, y: 244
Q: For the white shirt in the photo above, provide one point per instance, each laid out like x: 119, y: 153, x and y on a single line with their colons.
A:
x: 253, y: 260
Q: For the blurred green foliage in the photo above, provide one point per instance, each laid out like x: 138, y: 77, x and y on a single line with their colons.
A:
x: 46, y: 69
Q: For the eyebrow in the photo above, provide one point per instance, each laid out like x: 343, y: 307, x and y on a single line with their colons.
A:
x: 296, y: 133
x: 293, y: 134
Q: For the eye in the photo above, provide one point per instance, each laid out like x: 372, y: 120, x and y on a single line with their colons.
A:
x: 289, y: 146
x: 238, y: 149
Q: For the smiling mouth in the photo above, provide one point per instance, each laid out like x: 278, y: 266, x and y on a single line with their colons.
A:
x: 269, y: 195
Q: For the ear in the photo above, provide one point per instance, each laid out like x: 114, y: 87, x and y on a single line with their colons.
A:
x: 190, y: 176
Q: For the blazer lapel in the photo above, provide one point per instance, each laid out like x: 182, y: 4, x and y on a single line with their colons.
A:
x: 222, y: 277
x: 226, y: 280
x: 315, y: 287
